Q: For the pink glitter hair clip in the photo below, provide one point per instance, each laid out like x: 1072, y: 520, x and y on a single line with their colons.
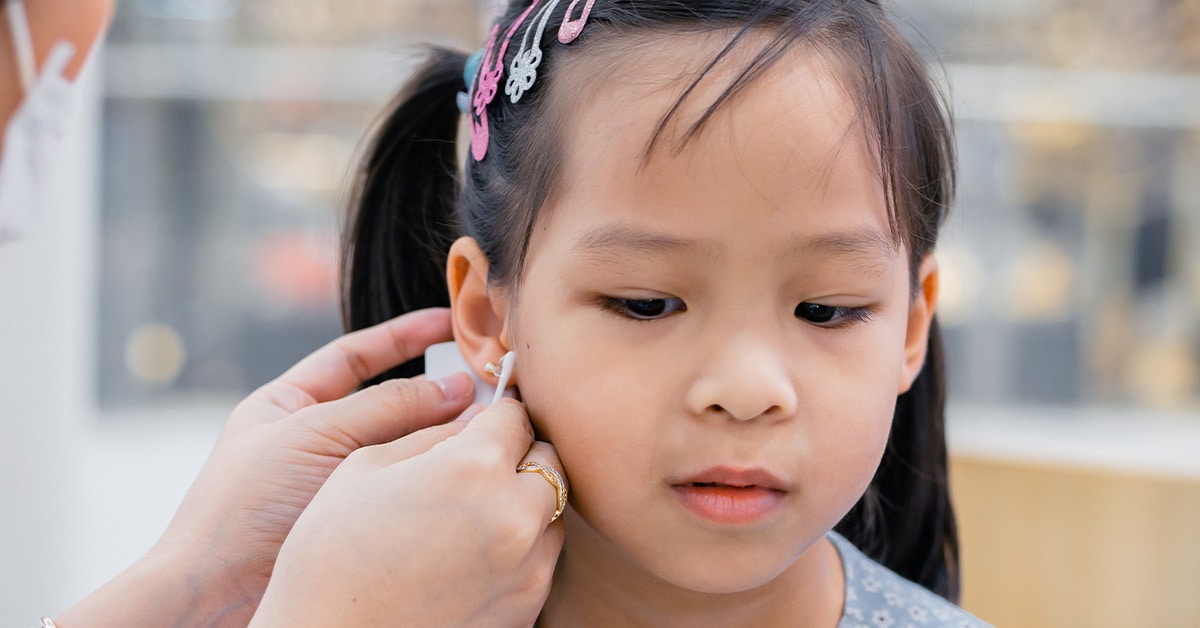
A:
x: 489, y: 83
x: 523, y: 70
x: 570, y: 29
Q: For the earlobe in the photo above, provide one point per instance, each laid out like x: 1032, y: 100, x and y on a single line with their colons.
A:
x: 478, y: 315
x: 920, y: 318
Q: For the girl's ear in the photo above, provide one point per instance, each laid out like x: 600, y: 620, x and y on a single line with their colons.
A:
x: 479, y: 315
x: 920, y: 317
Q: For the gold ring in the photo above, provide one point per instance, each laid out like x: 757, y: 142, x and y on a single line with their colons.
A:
x: 554, y: 478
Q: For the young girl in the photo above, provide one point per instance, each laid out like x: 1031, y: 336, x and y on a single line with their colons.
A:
x: 705, y: 231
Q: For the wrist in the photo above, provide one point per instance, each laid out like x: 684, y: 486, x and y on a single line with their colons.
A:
x: 167, y: 586
x: 211, y: 589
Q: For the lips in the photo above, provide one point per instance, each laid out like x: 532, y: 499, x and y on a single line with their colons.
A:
x: 736, y: 478
x: 727, y: 496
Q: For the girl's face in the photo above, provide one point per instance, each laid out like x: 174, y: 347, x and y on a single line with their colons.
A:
x: 714, y: 339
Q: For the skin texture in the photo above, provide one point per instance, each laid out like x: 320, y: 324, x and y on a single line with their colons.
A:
x: 80, y: 22
x: 777, y: 203
x: 434, y: 530
x: 280, y: 446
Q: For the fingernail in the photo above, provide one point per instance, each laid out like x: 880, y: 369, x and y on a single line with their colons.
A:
x: 456, y: 386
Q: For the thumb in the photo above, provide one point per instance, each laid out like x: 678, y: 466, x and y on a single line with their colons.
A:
x: 387, y: 411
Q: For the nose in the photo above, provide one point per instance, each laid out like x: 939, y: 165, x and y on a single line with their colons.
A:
x: 745, y: 378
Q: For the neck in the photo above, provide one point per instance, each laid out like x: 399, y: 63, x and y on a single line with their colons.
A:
x: 596, y: 584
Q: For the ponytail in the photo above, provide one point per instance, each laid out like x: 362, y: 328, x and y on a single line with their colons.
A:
x: 905, y: 521
x: 401, y: 217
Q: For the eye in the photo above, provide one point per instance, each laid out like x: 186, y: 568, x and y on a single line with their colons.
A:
x: 831, y: 316
x: 645, y: 309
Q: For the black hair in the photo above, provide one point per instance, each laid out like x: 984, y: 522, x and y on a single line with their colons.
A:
x: 409, y: 205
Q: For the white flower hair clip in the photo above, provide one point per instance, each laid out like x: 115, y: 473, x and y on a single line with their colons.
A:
x: 522, y: 72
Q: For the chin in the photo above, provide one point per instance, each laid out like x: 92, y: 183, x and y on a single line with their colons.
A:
x: 722, y: 574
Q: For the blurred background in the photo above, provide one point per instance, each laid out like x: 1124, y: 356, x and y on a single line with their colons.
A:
x: 192, y: 257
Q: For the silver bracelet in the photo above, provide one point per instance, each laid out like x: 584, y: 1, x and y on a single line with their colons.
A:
x: 48, y: 623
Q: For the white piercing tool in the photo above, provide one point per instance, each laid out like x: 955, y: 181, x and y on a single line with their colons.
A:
x: 506, y: 369
x: 444, y: 359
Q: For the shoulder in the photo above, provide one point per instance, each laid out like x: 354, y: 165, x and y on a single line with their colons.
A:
x: 877, y: 597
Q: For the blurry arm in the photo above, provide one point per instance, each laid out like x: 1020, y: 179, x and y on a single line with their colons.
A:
x: 162, y: 588
x: 80, y: 22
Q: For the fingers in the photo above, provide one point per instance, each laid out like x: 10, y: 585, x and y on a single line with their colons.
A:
x: 506, y: 424
x: 388, y: 411
x: 503, y: 423
x: 417, y: 443
x: 495, y: 442
x: 502, y: 429
x: 340, y: 367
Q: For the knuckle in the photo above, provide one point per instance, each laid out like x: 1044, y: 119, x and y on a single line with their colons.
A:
x: 514, y: 535
x: 401, y: 392
x: 510, y: 414
x: 535, y: 581
x: 490, y: 457
x: 402, y: 342
x: 515, y: 528
x: 481, y: 460
x: 370, y: 457
x: 516, y: 409
x: 358, y: 458
x: 527, y: 526
x: 357, y: 364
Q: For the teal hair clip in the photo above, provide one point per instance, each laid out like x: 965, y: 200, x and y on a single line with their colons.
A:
x: 470, y: 71
x: 471, y: 68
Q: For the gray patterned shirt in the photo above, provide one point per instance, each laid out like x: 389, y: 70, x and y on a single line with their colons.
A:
x: 878, y: 598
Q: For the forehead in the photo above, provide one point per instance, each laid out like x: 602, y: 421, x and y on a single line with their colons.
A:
x: 787, y: 153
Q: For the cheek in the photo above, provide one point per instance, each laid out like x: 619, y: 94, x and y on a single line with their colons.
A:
x: 570, y: 381
x: 850, y: 397
x: 863, y: 370
x: 587, y: 399
x: 595, y: 436
x: 842, y: 448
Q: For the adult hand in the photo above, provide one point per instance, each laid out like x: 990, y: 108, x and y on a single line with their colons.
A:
x: 436, y: 529
x: 277, y: 449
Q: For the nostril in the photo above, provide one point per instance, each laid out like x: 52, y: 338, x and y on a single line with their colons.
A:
x: 717, y: 409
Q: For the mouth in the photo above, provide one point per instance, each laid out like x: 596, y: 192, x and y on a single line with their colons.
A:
x: 731, y: 497
x: 726, y: 477
x: 722, y: 485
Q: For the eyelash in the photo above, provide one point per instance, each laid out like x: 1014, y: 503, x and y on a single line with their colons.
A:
x: 626, y: 307
x: 838, y: 317
x: 832, y: 317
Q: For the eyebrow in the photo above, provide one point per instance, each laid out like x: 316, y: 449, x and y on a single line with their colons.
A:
x: 869, y: 249
x: 617, y: 238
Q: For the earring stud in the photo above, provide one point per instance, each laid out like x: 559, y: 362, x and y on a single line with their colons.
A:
x: 502, y: 373
x: 499, y: 371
